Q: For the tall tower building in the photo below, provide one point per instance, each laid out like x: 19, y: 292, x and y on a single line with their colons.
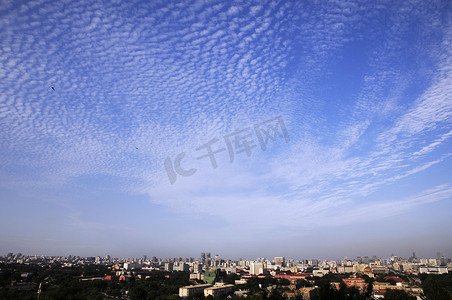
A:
x: 439, y: 255
x: 257, y: 268
x: 280, y: 261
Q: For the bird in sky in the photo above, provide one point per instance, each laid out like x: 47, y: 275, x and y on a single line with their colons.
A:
x: 53, y: 88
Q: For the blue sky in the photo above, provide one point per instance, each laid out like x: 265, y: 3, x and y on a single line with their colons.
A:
x: 362, y: 90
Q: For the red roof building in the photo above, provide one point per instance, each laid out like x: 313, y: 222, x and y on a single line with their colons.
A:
x: 294, y: 277
x: 360, y: 283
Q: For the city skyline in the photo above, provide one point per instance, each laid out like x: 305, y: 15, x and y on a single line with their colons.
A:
x: 250, y: 128
x: 205, y: 257
x: 212, y: 275
x: 213, y: 257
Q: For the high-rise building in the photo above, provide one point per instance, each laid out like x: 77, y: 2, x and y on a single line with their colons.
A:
x: 169, y: 267
x: 257, y: 268
x: 197, y: 268
x: 280, y: 261
x: 438, y: 255
x: 315, y: 262
x: 182, y: 267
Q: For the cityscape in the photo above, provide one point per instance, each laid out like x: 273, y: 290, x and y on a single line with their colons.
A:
x: 225, y: 149
x: 212, y: 276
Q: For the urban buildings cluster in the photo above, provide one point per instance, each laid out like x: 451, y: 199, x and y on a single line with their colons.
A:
x: 204, y: 271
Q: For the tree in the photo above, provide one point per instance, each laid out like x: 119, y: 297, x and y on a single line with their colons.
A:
x: 138, y: 293
x: 231, y: 278
x: 276, y: 295
x: 300, y: 283
x: 433, y: 291
x: 326, y: 292
x: 398, y: 295
x: 284, y: 281
x: 369, y: 289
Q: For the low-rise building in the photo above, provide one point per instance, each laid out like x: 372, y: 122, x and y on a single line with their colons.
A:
x: 359, y: 283
x: 190, y: 290
x: 433, y: 270
x: 294, y: 277
x: 218, y: 290
x: 320, y: 272
x: 344, y: 269
x: 307, y: 293
x: 380, y: 270
x: 197, y: 276
x: 381, y: 287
